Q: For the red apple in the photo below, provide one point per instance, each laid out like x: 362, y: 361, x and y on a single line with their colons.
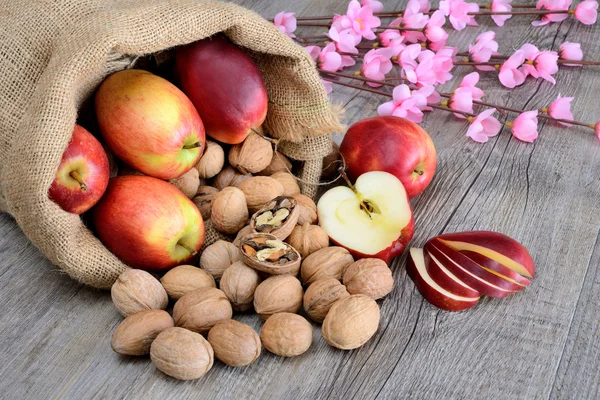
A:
x: 446, y: 279
x: 391, y: 144
x: 496, y: 268
x: 371, y: 219
x: 82, y: 174
x: 225, y: 85
x: 149, y: 123
x: 148, y: 223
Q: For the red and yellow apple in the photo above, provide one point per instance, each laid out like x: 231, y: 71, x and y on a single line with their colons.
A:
x: 82, y: 174
x: 149, y: 123
x: 148, y: 223
x: 371, y: 219
x: 225, y: 85
x: 391, y: 144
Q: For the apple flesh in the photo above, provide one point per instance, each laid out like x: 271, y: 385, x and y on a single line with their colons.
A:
x: 148, y: 223
x: 497, y: 268
x: 82, y: 174
x: 225, y: 85
x: 372, y: 219
x: 446, y: 279
x: 391, y: 144
x: 149, y: 123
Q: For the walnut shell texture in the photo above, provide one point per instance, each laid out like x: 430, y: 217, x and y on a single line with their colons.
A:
x: 182, y: 354
x: 229, y: 210
x: 243, y: 232
x: 234, y: 343
x: 288, y: 181
x: 307, y: 239
x: 134, y: 335
x: 252, y: 155
x: 239, y: 282
x: 188, y: 183
x: 200, y: 310
x: 321, y: 295
x: 280, y: 293
x: 284, y: 230
x: 260, y: 190
x: 211, y: 162
x: 369, y: 276
x: 279, y: 163
x: 184, y: 279
x: 203, y: 200
x: 217, y: 257
x: 351, y: 322
x: 286, y: 334
x: 307, y: 209
x: 229, y: 176
x: 136, y: 290
x: 328, y: 262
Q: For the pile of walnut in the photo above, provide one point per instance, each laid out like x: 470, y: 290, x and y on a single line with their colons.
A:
x: 279, y: 263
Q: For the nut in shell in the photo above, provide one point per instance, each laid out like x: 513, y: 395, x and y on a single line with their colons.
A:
x: 252, y: 155
x: 187, y: 183
x: 279, y: 163
x: 239, y: 283
x: 286, y: 334
x: 281, y: 293
x: 320, y: 296
x: 329, y: 262
x: 288, y: 181
x: 217, y: 257
x: 200, y: 310
x: 351, y: 322
x: 203, y: 200
x: 307, y: 239
x: 184, y: 279
x: 234, y: 343
x: 264, y: 252
x: 135, y: 334
x: 260, y: 190
x: 211, y: 162
x: 229, y: 176
x: 136, y: 290
x: 278, y: 217
x: 307, y: 209
x: 369, y: 276
x: 182, y: 354
x: 229, y: 211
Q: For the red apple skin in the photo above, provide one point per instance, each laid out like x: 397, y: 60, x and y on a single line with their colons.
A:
x: 225, y: 85
x: 146, y: 121
x: 497, y: 242
x: 496, y: 267
x: 446, y: 282
x: 86, y: 156
x: 391, y: 144
x: 141, y: 219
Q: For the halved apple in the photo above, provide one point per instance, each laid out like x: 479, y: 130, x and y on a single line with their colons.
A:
x: 430, y: 290
x: 447, y: 279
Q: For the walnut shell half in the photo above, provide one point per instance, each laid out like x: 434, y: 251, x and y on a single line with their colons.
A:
x: 264, y: 252
x: 278, y: 217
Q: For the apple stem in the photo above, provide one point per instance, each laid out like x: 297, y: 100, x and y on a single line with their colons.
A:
x: 420, y: 173
x: 343, y: 175
x: 192, y: 146
x: 75, y: 175
x: 188, y: 248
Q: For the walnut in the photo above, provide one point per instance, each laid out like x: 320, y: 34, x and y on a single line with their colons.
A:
x: 286, y: 334
x: 234, y: 343
x: 332, y: 163
x: 307, y: 239
x: 211, y: 162
x: 229, y: 211
x: 252, y: 155
x: 279, y: 163
x: 239, y: 283
x: 135, y: 334
x: 280, y: 293
x: 260, y: 190
x: 264, y: 252
x: 329, y: 262
x: 288, y: 181
x: 187, y: 183
x: 217, y: 257
x: 307, y: 209
x: 320, y: 296
x: 203, y: 200
x: 243, y: 232
x: 184, y: 279
x: 277, y: 217
x: 351, y: 322
x: 200, y: 310
x: 136, y: 290
x: 369, y: 276
x: 182, y: 354
x: 229, y: 176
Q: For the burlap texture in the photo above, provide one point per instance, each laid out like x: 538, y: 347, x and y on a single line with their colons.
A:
x: 54, y: 54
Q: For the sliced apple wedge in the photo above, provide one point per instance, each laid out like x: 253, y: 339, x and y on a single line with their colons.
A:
x: 496, y: 268
x: 447, y: 280
x: 430, y: 290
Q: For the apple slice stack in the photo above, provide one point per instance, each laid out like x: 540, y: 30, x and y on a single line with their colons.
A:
x: 452, y: 271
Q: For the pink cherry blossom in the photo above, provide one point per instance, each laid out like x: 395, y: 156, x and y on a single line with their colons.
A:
x: 457, y: 11
x: 327, y: 59
x: 510, y: 74
x: 313, y: 51
x: 376, y: 64
x: 424, y: 96
x: 375, y: 5
x: 561, y: 109
x: 525, y: 126
x: 530, y: 52
x: 435, y: 34
x: 597, y: 129
x: 501, y: 6
x: 286, y: 23
x: 485, y: 46
x: 423, y: 73
x: 402, y: 105
x: 553, y: 5
x: 443, y: 62
x: 461, y: 100
x: 390, y: 37
x: 571, y: 51
x: 469, y: 82
x: 409, y: 55
x: 587, y: 12
x: 424, y: 6
x: 344, y: 40
x: 328, y: 86
x: 546, y: 65
x: 359, y: 19
x: 414, y: 18
x: 483, y: 126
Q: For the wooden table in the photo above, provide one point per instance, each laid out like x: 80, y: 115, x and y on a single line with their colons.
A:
x: 541, y: 343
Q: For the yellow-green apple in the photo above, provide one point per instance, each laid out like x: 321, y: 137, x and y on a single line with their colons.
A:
x: 148, y: 223
x: 391, y: 144
x: 82, y: 174
x: 149, y: 123
x: 431, y: 291
x: 225, y: 85
x: 371, y: 218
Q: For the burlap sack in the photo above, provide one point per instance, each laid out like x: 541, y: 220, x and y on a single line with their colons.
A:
x: 53, y: 54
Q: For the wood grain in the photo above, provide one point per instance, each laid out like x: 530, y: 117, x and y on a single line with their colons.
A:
x: 539, y: 344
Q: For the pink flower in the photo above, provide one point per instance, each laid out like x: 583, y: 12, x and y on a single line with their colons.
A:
x: 425, y: 95
x: 359, y: 19
x: 328, y: 86
x: 434, y: 32
x: 546, y: 65
x: 423, y: 73
x: 461, y: 100
x: 561, y: 109
x: 344, y: 40
x: 374, y: 5
x: 286, y: 23
x: 414, y: 18
x: 424, y: 6
x: 402, y: 105
x: 483, y: 126
x: 469, y: 82
x: 485, y: 46
x: 510, y: 75
x: 443, y: 62
x: 376, y: 64
x: 530, y: 52
x: 408, y: 56
x: 597, y: 129
x: 553, y: 5
x: 524, y: 127
x: 390, y: 37
x: 587, y: 12
x: 328, y: 59
x: 457, y: 11
x: 501, y: 6
x: 571, y: 51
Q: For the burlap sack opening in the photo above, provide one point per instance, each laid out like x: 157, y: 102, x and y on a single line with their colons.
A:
x: 54, y: 55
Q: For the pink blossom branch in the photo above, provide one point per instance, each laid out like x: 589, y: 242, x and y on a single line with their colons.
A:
x: 379, y: 29
x: 497, y: 63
